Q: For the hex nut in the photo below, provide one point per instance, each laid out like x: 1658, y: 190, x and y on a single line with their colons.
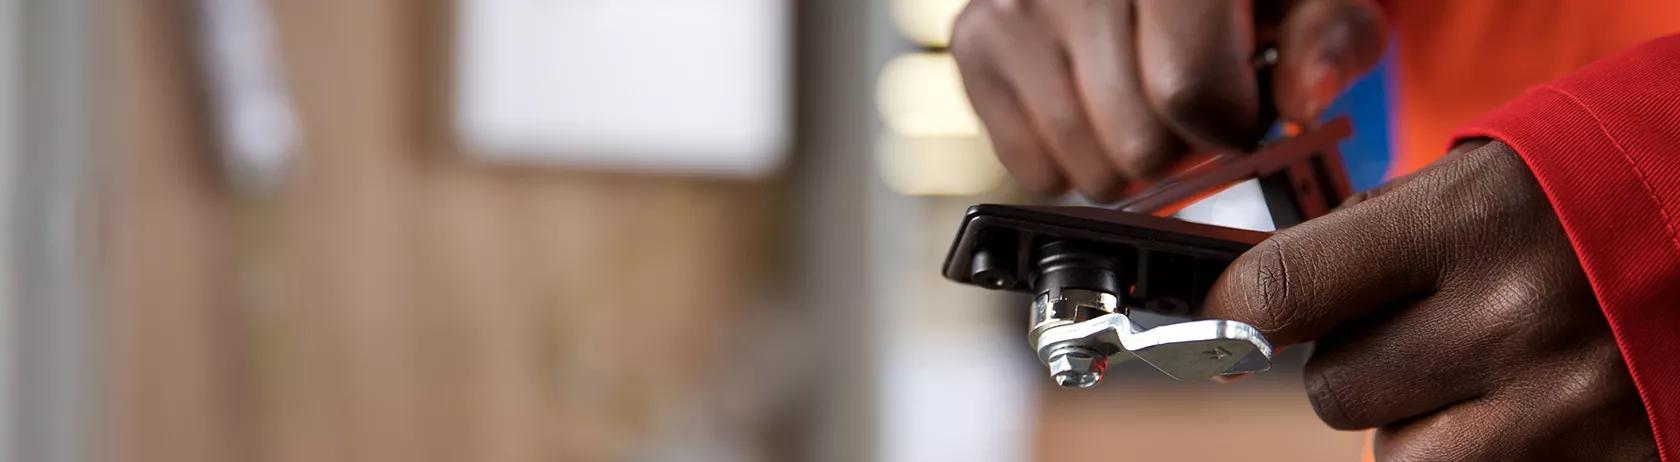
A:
x: 1077, y: 367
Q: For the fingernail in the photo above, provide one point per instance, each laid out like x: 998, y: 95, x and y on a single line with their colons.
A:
x: 1233, y: 378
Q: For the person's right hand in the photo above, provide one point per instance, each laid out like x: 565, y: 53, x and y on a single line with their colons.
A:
x: 1094, y: 94
x: 1451, y: 314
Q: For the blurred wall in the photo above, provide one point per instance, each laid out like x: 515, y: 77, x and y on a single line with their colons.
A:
x: 397, y: 301
x: 393, y: 301
x: 10, y: 48
x: 49, y: 178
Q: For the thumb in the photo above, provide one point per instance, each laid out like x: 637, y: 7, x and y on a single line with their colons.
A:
x: 1310, y: 278
x: 1323, y: 46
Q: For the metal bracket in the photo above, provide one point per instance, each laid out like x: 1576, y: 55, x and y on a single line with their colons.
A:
x: 1078, y: 352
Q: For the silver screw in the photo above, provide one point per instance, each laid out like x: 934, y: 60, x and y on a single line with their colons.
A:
x: 1077, y: 367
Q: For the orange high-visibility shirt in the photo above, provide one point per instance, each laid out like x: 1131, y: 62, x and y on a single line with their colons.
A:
x: 1456, y: 60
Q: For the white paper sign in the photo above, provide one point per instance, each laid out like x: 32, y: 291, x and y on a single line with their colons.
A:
x: 684, y: 86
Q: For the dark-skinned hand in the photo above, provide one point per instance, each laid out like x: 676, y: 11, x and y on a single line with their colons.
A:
x: 1451, y: 315
x: 1097, y: 93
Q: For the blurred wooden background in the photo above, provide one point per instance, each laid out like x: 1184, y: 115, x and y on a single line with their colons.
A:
x: 399, y: 302
x: 395, y: 301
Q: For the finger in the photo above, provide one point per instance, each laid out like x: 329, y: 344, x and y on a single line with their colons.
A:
x: 1197, y: 73
x: 1013, y: 139
x: 1039, y: 73
x: 1588, y: 410
x: 1104, y: 61
x: 1324, y: 45
x: 1305, y: 280
x: 1464, y: 432
x: 1371, y: 372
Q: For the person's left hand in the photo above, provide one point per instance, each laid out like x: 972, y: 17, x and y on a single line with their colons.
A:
x: 1450, y: 314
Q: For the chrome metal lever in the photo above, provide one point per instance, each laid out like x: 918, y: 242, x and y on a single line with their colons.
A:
x: 1076, y: 332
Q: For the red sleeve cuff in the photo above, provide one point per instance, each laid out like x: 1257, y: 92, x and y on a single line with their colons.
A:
x: 1608, y: 162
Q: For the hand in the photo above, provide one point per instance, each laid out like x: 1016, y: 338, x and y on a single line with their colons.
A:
x: 1099, y: 92
x: 1450, y: 314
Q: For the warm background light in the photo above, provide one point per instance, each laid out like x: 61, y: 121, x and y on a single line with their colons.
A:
x: 938, y: 166
x: 933, y: 144
x: 927, y: 22
x: 921, y: 94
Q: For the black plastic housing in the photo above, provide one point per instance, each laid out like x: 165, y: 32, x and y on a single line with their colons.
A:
x: 1160, y: 264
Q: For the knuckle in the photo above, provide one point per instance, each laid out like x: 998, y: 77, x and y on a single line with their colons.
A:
x: 1511, y: 307
x: 1598, y: 382
x: 1141, y: 156
x: 1522, y: 306
x: 1364, y: 24
x: 1203, y: 103
x: 1327, y: 402
x: 978, y: 23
